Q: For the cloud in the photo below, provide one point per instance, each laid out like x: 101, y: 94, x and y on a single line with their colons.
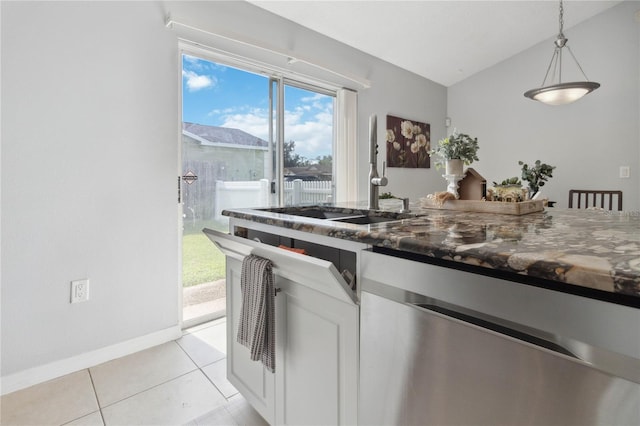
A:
x: 197, y: 82
x: 313, y: 137
x: 194, y: 62
x: 254, y: 122
x: 309, y: 125
x: 314, y: 97
x: 224, y: 111
x: 201, y: 65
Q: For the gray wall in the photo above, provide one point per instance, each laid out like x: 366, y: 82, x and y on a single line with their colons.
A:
x: 587, y: 140
x: 412, y: 98
x: 90, y: 155
x: 89, y: 160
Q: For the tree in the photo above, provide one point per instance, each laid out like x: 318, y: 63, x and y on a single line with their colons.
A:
x: 291, y: 159
x: 325, y: 160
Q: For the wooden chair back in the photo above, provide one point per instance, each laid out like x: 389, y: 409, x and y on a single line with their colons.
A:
x: 585, y: 198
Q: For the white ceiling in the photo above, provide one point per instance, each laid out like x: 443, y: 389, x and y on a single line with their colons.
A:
x: 444, y: 41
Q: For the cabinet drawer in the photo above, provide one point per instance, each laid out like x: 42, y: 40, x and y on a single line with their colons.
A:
x: 317, y: 274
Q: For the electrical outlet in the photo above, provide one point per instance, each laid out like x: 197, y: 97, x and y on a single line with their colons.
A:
x: 79, y: 291
x: 624, y: 171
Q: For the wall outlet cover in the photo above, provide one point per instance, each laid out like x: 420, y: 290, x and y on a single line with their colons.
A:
x: 79, y: 291
x: 624, y: 171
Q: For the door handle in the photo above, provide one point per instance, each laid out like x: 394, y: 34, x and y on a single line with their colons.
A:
x: 189, y: 177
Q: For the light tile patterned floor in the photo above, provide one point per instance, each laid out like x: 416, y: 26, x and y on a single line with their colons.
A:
x: 177, y: 383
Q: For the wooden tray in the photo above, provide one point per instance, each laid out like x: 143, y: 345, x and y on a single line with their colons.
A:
x: 524, y: 207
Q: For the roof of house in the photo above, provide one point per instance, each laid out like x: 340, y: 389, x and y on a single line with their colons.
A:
x: 223, y: 135
x: 471, y: 173
x: 311, y: 170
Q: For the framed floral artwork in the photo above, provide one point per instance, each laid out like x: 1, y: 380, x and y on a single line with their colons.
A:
x: 408, y: 143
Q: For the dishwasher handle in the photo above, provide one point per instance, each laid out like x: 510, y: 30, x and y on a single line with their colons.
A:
x: 498, y: 328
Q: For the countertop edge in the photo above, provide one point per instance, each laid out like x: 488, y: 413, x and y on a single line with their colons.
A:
x: 562, y: 271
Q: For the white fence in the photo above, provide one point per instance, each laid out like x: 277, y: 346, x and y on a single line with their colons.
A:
x: 307, y: 192
x: 239, y: 194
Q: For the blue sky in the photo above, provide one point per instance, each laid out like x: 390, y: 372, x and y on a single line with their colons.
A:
x: 223, y: 96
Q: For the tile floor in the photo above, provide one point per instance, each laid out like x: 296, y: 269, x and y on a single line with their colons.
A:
x: 178, y: 383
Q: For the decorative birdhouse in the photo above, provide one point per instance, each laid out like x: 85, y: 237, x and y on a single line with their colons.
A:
x: 472, y: 186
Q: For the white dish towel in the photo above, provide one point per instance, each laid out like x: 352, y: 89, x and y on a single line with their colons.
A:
x: 256, y: 330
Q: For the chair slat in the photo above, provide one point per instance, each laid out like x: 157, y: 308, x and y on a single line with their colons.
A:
x: 597, y: 197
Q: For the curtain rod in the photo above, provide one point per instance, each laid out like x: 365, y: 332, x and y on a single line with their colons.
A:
x: 291, y: 58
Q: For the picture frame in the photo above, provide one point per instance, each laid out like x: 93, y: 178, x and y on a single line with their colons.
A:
x: 408, y: 143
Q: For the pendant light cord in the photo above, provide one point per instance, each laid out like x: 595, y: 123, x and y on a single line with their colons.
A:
x: 561, y: 19
x: 556, y: 57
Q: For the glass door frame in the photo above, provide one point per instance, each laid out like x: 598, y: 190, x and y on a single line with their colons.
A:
x: 277, y: 84
x: 204, y: 54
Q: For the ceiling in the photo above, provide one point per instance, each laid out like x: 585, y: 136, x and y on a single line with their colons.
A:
x: 444, y: 41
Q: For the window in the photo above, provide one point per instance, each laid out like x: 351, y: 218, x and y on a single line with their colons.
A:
x: 249, y: 139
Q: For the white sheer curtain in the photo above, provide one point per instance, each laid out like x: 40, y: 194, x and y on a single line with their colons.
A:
x: 346, y: 146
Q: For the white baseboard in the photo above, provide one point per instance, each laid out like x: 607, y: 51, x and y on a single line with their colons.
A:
x: 35, y: 375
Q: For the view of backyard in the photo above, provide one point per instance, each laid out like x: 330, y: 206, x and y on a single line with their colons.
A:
x: 203, y: 262
x: 203, y: 271
x: 229, y: 162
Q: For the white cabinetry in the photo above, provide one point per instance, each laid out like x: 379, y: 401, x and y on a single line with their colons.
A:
x: 253, y: 381
x: 317, y: 358
x: 316, y: 376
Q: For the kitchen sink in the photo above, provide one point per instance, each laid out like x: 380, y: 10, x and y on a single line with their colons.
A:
x: 313, y: 213
x: 344, y: 215
x: 366, y: 220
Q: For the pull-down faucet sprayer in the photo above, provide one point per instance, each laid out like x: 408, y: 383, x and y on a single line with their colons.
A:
x: 374, y: 180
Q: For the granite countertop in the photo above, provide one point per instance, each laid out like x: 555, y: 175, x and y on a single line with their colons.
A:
x: 591, y: 249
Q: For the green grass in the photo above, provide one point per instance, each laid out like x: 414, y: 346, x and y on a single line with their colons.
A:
x: 202, y: 262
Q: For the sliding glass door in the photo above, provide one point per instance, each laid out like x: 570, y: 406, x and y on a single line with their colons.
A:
x: 248, y: 140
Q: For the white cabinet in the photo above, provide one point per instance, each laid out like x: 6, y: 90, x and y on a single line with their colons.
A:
x: 317, y: 357
x: 317, y: 338
x: 253, y: 381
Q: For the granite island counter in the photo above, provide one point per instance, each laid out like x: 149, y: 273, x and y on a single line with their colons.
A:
x: 591, y: 252
x: 533, y: 309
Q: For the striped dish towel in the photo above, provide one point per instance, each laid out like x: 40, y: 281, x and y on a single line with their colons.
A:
x: 256, y: 330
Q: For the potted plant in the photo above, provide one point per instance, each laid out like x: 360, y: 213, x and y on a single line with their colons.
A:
x: 508, y: 190
x: 456, y: 150
x: 536, y: 175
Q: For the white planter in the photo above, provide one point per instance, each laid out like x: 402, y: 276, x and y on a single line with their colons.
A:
x: 454, y: 167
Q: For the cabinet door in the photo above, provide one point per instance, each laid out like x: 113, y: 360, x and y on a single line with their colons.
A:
x: 316, y: 358
x: 316, y: 377
x: 253, y: 381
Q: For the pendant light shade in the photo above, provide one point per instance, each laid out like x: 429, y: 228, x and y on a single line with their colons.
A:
x: 561, y: 93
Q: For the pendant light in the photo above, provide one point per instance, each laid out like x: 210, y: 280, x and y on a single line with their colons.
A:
x: 561, y: 93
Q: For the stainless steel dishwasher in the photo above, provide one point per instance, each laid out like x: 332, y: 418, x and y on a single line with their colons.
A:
x: 426, y: 362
